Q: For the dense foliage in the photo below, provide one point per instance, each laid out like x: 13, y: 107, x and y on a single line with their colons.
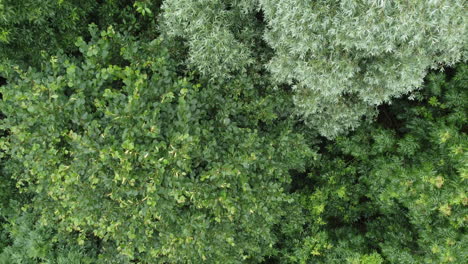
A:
x: 394, y: 190
x: 215, y: 131
x: 342, y: 57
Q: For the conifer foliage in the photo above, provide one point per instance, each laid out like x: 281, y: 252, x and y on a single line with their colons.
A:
x: 393, y: 191
x: 247, y: 131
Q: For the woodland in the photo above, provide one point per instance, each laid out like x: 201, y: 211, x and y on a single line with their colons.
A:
x: 233, y: 131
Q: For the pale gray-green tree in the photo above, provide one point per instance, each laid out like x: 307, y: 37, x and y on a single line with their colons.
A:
x: 341, y: 58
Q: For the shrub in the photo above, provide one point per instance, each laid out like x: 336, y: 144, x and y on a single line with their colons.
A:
x: 117, y: 146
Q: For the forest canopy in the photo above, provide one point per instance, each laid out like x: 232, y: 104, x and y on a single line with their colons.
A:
x: 247, y: 131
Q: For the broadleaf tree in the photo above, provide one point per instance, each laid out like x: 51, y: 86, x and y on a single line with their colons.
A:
x: 118, y: 147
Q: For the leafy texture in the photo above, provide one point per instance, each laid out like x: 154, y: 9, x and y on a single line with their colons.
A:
x: 119, y: 148
x: 395, y: 190
x: 214, y: 131
x: 342, y: 58
x: 32, y: 30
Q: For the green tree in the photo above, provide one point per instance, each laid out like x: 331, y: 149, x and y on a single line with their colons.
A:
x: 32, y: 30
x: 396, y: 187
x: 117, y: 146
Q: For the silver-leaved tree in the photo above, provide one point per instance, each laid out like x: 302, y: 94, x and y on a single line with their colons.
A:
x: 341, y: 58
